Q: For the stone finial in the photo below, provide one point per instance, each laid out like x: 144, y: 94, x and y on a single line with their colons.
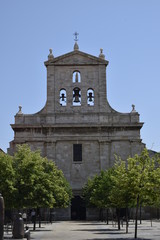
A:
x: 76, y: 47
x: 133, y: 109
x: 50, y: 56
x: 101, y: 55
x: 20, y: 111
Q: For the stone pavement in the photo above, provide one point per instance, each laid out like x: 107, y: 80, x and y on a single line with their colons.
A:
x: 78, y: 230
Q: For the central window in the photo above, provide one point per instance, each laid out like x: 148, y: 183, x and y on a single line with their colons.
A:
x: 76, y: 77
x: 77, y: 152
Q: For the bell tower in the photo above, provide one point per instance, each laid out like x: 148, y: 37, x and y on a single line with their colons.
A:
x: 76, y: 83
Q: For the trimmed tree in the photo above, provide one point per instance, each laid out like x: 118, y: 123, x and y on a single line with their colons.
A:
x: 120, y: 194
x: 97, y: 190
x: 39, y: 182
x: 130, y: 183
x: 28, y: 180
x: 7, y: 179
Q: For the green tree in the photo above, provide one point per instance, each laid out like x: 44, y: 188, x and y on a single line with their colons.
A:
x: 97, y: 190
x: 61, y: 189
x: 130, y: 183
x: 38, y: 181
x: 153, y: 189
x: 140, y: 172
x: 7, y: 179
x: 87, y: 192
x: 135, y: 185
x: 119, y: 194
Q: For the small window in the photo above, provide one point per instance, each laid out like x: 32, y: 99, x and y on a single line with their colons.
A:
x: 76, y: 97
x: 63, y: 97
x: 77, y: 152
x: 90, y: 97
x: 76, y: 77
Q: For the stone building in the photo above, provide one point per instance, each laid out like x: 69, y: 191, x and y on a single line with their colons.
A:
x: 77, y: 128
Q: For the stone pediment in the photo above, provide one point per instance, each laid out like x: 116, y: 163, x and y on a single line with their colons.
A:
x: 76, y: 58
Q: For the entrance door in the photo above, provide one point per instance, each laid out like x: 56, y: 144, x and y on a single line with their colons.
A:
x: 78, y: 209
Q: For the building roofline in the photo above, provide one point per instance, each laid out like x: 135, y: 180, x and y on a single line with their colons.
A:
x: 98, y: 60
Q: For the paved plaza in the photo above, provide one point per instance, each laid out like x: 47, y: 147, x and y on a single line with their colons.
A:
x: 78, y: 230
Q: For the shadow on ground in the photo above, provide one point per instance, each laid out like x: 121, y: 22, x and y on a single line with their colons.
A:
x: 120, y: 239
x: 41, y: 230
x: 98, y: 230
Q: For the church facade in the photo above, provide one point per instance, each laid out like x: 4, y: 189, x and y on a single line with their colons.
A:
x: 77, y: 128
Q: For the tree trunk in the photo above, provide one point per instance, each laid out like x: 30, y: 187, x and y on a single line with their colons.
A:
x: 151, y: 216
x: 40, y: 221
x: 112, y: 218
x: 107, y: 216
x: 34, y: 224
x: 126, y: 219
x: 157, y: 213
x: 38, y: 216
x: 136, y: 217
x: 118, y: 218
x: 140, y: 209
x: 2, y: 208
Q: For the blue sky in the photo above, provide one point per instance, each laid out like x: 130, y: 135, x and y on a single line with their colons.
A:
x: 127, y: 30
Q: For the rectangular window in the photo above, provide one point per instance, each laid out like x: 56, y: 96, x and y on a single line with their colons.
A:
x: 77, y: 152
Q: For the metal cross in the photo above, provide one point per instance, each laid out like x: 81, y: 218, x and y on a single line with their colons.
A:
x: 76, y: 36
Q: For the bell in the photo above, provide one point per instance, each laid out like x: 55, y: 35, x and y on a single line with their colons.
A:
x: 90, y: 97
x: 76, y: 95
x: 76, y: 99
x: 63, y: 97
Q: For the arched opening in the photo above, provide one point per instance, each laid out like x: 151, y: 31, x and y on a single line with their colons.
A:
x: 90, y: 97
x: 76, y: 77
x: 78, y: 209
x: 63, y: 97
x: 76, y: 97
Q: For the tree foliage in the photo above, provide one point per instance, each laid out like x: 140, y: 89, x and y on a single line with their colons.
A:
x: 129, y: 183
x: 7, y: 178
x: 125, y: 181
x: 97, y: 190
x: 36, y: 181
